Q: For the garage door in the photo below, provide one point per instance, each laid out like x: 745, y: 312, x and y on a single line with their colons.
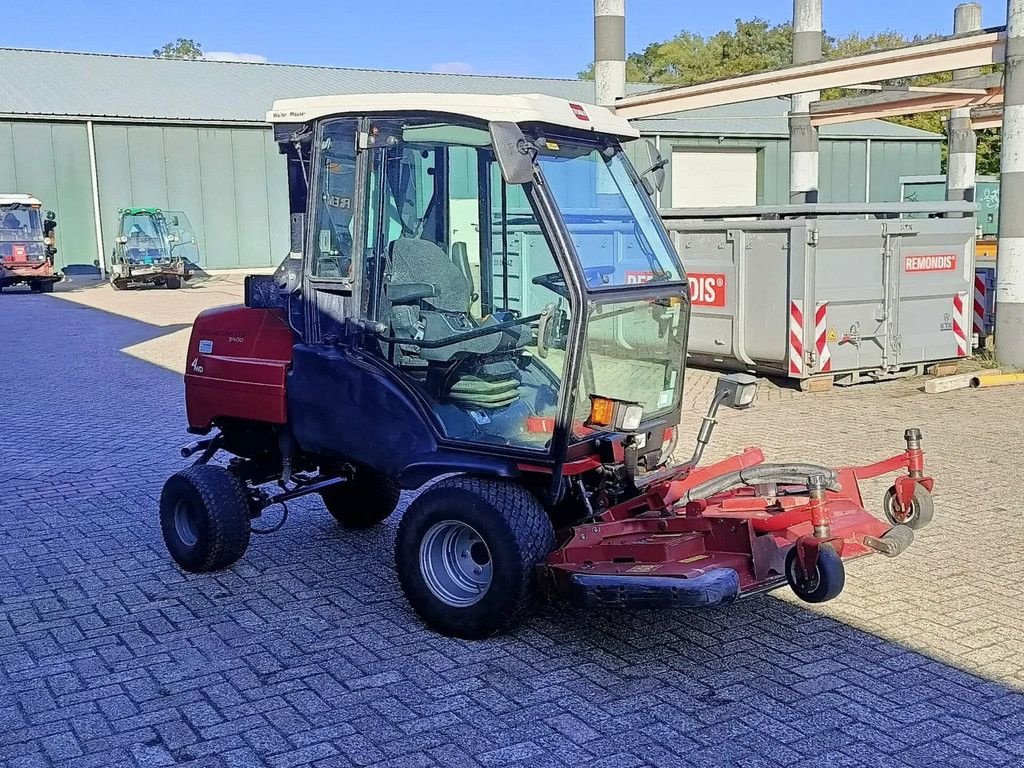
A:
x: 713, y: 177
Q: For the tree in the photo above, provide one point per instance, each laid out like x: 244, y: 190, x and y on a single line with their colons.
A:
x: 757, y: 45
x: 182, y: 48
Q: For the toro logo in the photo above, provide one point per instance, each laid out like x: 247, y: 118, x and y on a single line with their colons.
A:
x: 579, y: 111
x: 942, y: 262
x: 706, y: 289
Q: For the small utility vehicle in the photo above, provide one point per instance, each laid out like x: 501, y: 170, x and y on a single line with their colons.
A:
x: 153, y: 247
x: 27, y: 244
x: 482, y: 299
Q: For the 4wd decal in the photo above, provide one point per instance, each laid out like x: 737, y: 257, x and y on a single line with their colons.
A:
x: 939, y: 262
x: 707, y: 289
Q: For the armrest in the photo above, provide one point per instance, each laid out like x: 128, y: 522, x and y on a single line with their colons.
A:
x: 408, y: 293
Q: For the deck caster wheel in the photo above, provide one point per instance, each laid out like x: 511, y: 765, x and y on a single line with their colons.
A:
x: 825, y: 582
x: 367, y: 499
x: 466, y: 554
x: 920, y: 512
x: 204, y: 518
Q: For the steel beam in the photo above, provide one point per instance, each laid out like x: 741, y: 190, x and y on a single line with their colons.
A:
x: 987, y: 117
x: 960, y: 52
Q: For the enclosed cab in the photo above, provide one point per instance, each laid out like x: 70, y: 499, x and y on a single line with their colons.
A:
x: 27, y: 244
x: 152, y: 247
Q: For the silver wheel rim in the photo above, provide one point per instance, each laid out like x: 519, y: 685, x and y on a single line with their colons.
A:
x: 455, y: 563
x: 184, y: 524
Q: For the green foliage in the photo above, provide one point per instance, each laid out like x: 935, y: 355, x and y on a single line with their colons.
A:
x: 757, y: 45
x: 182, y: 48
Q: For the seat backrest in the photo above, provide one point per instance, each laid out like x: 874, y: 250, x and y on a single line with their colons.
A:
x: 420, y: 261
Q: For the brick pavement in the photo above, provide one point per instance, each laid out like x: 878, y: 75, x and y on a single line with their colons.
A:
x: 306, y: 654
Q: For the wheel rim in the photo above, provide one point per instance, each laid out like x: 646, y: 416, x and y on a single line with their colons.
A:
x: 801, y: 583
x: 456, y: 563
x: 185, y: 524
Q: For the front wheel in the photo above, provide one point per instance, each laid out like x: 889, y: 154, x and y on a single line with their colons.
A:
x: 466, y: 553
x: 204, y: 518
x: 173, y: 283
x: 826, y: 580
x: 918, y: 513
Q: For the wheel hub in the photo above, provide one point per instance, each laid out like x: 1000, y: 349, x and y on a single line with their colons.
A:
x: 185, y: 524
x: 455, y: 563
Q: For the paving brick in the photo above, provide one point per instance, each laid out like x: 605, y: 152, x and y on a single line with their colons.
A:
x: 305, y: 653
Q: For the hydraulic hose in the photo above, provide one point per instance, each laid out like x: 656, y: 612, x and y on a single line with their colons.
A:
x: 783, y: 474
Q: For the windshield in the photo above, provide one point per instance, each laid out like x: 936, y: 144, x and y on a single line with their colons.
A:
x: 18, y: 224
x: 615, y: 229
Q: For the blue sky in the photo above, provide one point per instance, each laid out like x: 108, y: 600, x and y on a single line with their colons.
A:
x: 526, y: 37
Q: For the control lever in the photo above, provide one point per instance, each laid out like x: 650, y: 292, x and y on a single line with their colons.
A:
x: 542, y: 329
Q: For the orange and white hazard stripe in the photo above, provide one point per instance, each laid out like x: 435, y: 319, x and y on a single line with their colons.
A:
x: 960, y: 324
x: 980, y: 289
x: 821, y: 337
x: 796, y: 338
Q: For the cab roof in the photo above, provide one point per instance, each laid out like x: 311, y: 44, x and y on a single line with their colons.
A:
x: 12, y: 198
x: 519, y: 108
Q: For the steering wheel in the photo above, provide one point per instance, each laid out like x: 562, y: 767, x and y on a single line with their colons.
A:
x: 595, y: 277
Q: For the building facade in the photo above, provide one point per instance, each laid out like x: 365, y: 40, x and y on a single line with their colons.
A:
x: 89, y: 134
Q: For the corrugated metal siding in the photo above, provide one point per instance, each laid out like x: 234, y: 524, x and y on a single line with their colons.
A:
x: 229, y: 181
x: 51, y: 161
x: 892, y: 159
x: 842, y: 168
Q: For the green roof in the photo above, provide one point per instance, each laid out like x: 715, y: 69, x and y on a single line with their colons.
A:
x: 90, y: 85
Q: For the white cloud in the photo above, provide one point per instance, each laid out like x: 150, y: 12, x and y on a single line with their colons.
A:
x: 453, y: 67
x: 252, y: 58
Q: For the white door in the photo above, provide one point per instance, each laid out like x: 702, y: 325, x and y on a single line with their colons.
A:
x: 711, y: 177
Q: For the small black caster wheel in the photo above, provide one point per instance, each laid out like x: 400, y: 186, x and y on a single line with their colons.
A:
x: 826, y: 580
x: 920, y: 511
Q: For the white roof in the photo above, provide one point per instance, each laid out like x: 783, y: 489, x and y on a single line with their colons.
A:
x: 519, y: 108
x: 10, y: 198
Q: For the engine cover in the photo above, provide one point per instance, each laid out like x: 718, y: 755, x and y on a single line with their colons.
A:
x: 238, y: 360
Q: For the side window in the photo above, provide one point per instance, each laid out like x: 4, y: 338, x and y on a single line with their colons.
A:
x: 332, y: 219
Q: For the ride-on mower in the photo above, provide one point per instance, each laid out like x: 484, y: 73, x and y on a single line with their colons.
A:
x: 153, y: 247
x: 462, y: 310
x: 27, y: 244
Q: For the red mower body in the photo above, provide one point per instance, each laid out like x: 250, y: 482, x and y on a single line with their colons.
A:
x: 237, y: 362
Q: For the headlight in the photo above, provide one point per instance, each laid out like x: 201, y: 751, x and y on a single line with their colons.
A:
x: 613, y: 415
x: 47, y: 241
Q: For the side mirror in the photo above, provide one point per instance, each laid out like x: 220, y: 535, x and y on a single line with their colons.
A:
x: 174, y: 221
x: 51, y: 216
x: 737, y: 390
x: 515, y: 156
x: 656, y: 171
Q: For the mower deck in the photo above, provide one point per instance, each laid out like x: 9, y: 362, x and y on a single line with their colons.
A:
x: 661, y: 549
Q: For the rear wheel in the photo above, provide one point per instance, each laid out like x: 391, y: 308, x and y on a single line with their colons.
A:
x: 173, y: 282
x: 204, y: 518
x: 46, y: 286
x: 367, y: 499
x: 466, y: 554
x: 35, y: 286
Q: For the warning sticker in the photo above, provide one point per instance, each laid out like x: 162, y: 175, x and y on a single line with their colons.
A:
x: 832, y: 335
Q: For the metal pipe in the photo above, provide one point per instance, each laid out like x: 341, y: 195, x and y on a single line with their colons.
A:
x: 97, y: 218
x: 803, y: 137
x: 609, y: 51
x: 983, y: 380
x: 1010, y: 256
x: 963, y: 142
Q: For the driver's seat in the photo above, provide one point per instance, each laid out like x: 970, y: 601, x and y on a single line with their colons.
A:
x: 480, y: 372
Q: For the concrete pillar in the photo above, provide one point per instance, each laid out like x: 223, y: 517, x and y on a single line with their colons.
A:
x: 803, y: 137
x: 609, y: 51
x: 1010, y: 264
x: 963, y: 143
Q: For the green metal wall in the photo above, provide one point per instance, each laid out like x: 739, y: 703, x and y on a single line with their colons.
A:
x: 51, y: 161
x: 842, y: 166
x: 986, y: 195
x: 229, y: 181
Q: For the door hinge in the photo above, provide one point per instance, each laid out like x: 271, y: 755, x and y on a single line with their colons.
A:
x: 812, y: 237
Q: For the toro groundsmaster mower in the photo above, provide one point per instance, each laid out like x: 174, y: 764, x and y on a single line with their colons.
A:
x: 461, y: 310
x: 27, y: 244
x: 153, y: 247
